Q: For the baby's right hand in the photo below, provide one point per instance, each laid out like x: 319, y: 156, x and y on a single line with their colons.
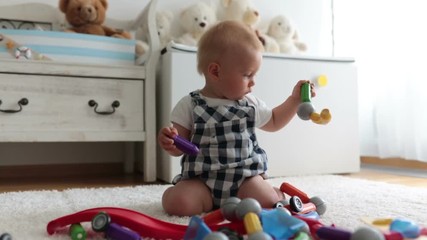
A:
x: 165, y: 138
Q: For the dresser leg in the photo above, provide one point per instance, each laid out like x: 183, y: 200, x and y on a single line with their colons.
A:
x: 129, y: 157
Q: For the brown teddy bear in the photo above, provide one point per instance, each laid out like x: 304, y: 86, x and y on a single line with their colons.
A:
x: 87, y: 16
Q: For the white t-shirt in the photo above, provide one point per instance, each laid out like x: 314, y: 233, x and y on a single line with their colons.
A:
x: 182, y: 113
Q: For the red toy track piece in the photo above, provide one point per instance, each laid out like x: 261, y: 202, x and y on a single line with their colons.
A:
x: 144, y: 225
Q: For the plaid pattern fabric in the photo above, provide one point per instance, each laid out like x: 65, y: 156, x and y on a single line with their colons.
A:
x: 229, y: 151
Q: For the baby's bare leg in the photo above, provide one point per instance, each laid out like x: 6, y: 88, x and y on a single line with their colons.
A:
x: 256, y: 187
x: 187, y: 198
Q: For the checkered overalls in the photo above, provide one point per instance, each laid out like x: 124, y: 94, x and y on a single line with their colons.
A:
x: 229, y: 151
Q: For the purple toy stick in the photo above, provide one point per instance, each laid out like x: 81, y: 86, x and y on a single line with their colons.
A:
x: 117, y: 232
x: 185, y: 146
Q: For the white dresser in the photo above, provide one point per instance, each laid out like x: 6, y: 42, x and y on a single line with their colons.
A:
x: 53, y: 102
x: 302, y: 147
x: 63, y: 101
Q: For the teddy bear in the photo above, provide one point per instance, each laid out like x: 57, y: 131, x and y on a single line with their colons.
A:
x: 241, y: 10
x: 284, y: 32
x: 195, y: 21
x: 88, y: 16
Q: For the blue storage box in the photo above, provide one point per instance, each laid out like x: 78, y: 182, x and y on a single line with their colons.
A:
x: 66, y: 47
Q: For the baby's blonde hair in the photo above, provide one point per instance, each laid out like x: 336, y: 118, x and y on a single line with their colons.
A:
x: 223, y: 37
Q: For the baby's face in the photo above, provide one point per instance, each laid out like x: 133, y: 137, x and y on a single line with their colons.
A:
x: 237, y: 72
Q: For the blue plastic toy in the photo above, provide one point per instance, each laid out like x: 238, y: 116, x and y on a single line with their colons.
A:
x: 408, y: 228
x: 197, y: 229
x: 279, y: 224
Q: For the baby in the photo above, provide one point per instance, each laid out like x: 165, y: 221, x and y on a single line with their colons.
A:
x: 221, y: 119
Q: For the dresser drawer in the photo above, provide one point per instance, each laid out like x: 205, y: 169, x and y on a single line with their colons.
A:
x: 58, y: 109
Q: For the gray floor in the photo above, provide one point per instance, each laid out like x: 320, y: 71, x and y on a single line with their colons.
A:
x: 397, y: 171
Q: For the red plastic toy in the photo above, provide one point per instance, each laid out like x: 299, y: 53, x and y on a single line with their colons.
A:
x: 293, y: 191
x: 144, y: 225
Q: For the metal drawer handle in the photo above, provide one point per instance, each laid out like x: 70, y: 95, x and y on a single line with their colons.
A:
x: 94, y: 104
x: 21, y: 103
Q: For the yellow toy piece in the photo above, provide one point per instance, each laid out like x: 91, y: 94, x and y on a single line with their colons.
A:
x: 382, y: 221
x: 323, y: 118
x: 322, y: 80
x: 252, y: 223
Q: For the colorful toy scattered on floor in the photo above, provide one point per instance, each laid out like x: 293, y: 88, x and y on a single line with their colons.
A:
x: 306, y: 109
x: 399, y: 228
x: 102, y: 223
x: 262, y: 224
x: 297, y: 218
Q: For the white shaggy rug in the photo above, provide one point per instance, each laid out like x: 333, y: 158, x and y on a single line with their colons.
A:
x: 25, y: 214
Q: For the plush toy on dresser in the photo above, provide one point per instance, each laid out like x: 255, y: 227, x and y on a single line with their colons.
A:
x: 195, y: 21
x: 270, y: 44
x: 242, y: 11
x: 284, y: 32
x: 88, y: 16
x: 163, y: 23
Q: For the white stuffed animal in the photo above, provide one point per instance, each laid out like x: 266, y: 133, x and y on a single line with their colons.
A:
x: 270, y: 44
x: 163, y: 24
x: 283, y: 30
x: 241, y: 10
x: 196, y: 20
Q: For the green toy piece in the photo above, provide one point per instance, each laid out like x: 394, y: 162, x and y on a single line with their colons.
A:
x: 306, y: 92
x: 306, y: 110
x: 77, y: 232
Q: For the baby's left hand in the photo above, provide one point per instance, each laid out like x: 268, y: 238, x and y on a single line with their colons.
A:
x: 296, y: 92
